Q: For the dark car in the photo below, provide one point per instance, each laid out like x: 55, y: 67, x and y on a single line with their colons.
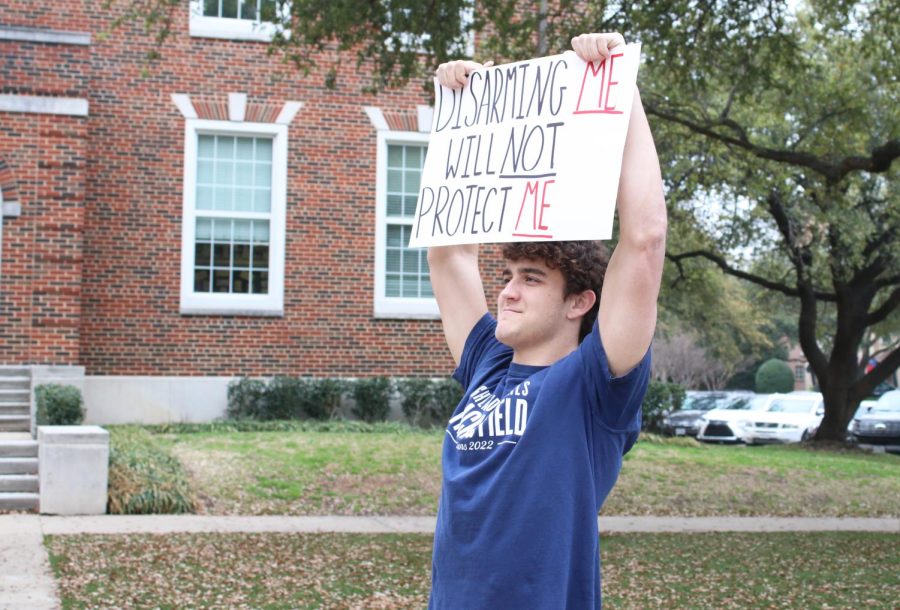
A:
x: 879, y: 425
x: 687, y: 420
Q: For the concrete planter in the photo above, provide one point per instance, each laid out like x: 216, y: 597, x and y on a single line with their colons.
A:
x: 73, y: 469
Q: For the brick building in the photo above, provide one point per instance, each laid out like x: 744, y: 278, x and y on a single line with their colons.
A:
x: 168, y: 226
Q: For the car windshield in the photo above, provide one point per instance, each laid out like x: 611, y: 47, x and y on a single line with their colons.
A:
x: 702, y: 402
x: 746, y: 403
x: 889, y: 401
x: 791, y: 405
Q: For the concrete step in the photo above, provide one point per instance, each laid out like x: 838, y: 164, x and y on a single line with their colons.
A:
x: 18, y: 448
x: 14, y: 408
x: 11, y: 382
x: 15, y: 371
x: 15, y: 423
x: 15, y: 394
x: 19, y: 465
x: 18, y: 483
x: 19, y: 501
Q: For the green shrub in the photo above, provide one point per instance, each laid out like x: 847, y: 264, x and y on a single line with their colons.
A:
x: 246, y: 399
x: 446, y: 395
x: 373, y: 398
x: 661, y: 398
x: 320, y: 398
x: 58, y: 405
x: 774, y: 376
x: 144, y: 478
x: 417, y: 398
x: 284, y: 399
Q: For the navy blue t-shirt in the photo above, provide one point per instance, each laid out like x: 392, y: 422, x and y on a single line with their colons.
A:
x: 529, y: 456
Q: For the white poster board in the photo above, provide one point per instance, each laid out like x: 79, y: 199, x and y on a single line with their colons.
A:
x: 528, y: 151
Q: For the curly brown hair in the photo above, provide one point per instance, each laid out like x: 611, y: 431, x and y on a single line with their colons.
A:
x: 582, y: 264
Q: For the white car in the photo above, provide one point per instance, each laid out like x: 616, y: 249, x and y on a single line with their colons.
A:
x: 726, y: 425
x: 790, y: 418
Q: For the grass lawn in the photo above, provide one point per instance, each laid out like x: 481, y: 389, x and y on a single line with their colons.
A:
x: 390, y: 473
x: 698, y: 571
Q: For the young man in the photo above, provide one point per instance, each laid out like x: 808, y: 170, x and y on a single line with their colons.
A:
x: 553, y: 393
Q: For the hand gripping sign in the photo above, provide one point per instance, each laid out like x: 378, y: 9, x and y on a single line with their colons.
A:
x: 527, y: 151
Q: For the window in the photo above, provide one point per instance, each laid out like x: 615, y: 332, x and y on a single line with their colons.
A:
x: 235, y: 19
x: 402, y: 282
x: 799, y: 372
x: 234, y: 214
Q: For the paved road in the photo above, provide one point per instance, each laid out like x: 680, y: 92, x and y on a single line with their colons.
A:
x: 26, y: 582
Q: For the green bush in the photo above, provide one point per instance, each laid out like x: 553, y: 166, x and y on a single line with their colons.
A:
x: 373, y: 398
x: 321, y: 397
x: 774, y: 376
x: 446, y: 395
x: 417, y: 398
x: 58, y: 405
x: 246, y: 399
x: 661, y: 398
x: 284, y: 399
x: 144, y: 478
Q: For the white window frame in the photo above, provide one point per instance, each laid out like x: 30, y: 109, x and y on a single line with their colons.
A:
x: 384, y: 306
x: 271, y: 304
x: 227, y: 28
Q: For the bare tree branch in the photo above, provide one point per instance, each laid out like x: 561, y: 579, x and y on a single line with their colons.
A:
x: 750, y: 277
x: 880, y: 314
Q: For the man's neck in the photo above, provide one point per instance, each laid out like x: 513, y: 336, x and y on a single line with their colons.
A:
x: 544, y: 354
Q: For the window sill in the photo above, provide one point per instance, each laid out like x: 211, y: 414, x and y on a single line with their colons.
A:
x: 231, y: 29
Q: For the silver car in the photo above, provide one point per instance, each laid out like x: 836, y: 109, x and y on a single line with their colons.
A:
x: 879, y: 425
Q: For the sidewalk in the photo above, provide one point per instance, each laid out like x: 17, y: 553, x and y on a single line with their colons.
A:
x: 27, y: 583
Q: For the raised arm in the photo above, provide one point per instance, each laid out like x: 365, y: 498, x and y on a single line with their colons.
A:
x: 455, y: 276
x: 627, y: 314
x: 457, y: 285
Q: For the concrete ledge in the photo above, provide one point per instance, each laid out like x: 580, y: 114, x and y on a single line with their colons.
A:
x: 74, y: 469
x: 36, y: 104
x: 39, y: 35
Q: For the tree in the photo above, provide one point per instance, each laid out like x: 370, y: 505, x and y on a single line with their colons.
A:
x: 778, y: 133
x: 774, y: 376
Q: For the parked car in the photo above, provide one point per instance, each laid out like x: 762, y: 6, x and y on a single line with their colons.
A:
x: 686, y: 421
x: 864, y: 407
x: 880, y: 424
x: 789, y: 418
x: 726, y: 425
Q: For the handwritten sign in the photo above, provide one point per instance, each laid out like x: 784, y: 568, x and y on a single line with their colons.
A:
x: 527, y: 151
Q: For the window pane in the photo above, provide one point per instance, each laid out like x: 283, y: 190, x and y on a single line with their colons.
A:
x: 243, y: 200
x: 262, y: 200
x: 413, y: 156
x: 242, y: 231
x: 392, y: 261
x: 395, y: 156
x: 220, y: 280
x: 222, y: 199
x: 263, y: 149
x: 202, y: 254
x: 261, y: 231
x: 248, y: 9
x: 240, y: 282
x: 204, y: 228
x: 409, y: 205
x: 411, y: 261
x: 264, y: 174
x: 241, y: 255
x: 395, y: 181
x: 393, y: 205
x: 260, y: 282
x: 426, y: 289
x: 267, y: 10
x: 206, y: 144
x: 410, y: 286
x: 222, y: 255
x: 222, y: 230
x: 260, y: 257
x: 411, y: 185
x: 224, y: 172
x: 204, y: 198
x: 244, y: 149
x: 394, y: 236
x: 204, y: 172
x: 201, y: 280
x: 225, y: 144
x: 392, y: 286
x: 243, y: 173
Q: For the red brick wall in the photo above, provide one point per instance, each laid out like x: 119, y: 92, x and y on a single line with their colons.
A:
x: 126, y: 317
